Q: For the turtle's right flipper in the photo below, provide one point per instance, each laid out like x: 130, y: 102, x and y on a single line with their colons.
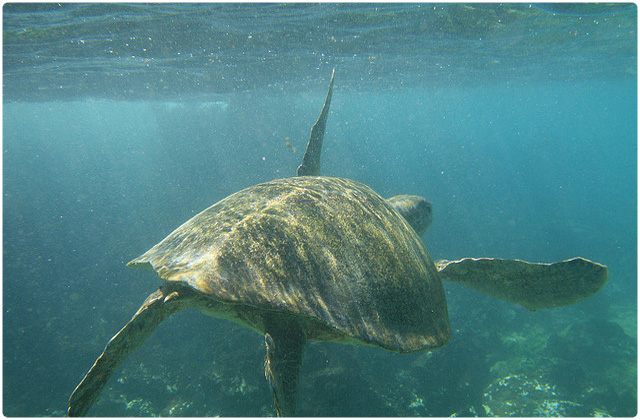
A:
x: 155, y: 309
x: 532, y: 285
x: 311, y: 159
x: 285, y: 347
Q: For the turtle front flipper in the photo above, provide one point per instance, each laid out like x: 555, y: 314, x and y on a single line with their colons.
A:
x: 532, y: 285
x: 311, y: 160
x: 285, y: 346
x: 156, y: 308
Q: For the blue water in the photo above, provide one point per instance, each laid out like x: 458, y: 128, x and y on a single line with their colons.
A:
x: 518, y: 124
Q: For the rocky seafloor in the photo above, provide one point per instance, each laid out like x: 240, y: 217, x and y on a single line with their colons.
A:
x: 501, y: 361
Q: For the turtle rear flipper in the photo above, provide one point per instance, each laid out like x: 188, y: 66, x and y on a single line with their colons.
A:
x: 532, y: 285
x: 285, y: 347
x: 156, y: 308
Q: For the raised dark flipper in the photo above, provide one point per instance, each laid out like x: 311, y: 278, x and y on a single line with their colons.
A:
x: 311, y: 159
x: 285, y: 347
x: 532, y: 285
x: 155, y: 309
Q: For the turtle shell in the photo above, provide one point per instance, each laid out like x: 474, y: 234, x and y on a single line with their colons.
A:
x: 326, y: 249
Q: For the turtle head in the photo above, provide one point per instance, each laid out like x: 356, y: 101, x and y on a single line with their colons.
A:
x: 416, y: 210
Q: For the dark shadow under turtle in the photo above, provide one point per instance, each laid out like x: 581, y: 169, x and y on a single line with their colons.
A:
x: 327, y: 259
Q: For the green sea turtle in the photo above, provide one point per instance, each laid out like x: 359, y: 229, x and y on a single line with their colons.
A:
x: 320, y: 258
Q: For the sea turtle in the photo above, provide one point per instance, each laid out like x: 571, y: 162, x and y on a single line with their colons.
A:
x: 320, y: 258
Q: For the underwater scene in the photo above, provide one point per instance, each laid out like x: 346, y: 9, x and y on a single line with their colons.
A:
x: 518, y: 122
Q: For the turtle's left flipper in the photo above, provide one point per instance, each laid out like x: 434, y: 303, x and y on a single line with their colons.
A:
x: 532, y: 285
x: 311, y: 160
x: 156, y: 308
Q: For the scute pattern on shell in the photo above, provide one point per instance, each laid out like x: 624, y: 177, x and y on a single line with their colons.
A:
x: 326, y: 248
